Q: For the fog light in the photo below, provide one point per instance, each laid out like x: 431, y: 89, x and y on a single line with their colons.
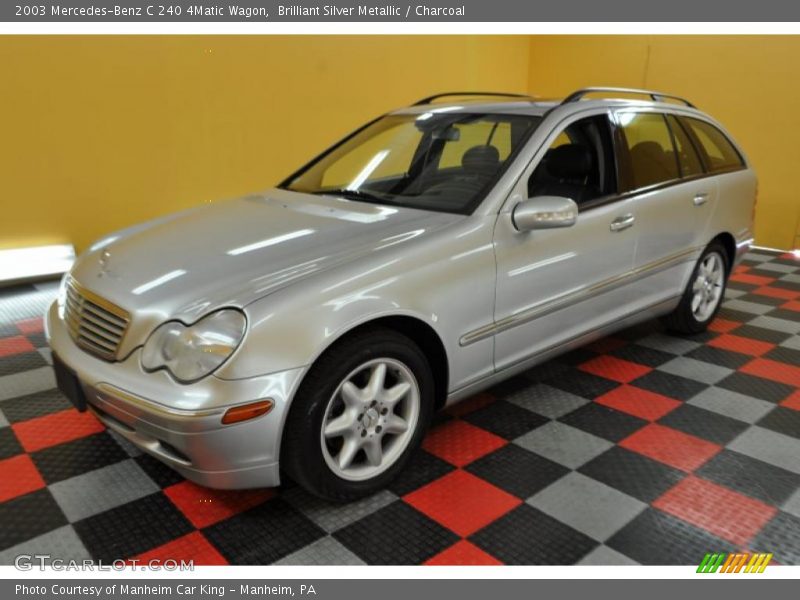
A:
x: 247, y: 412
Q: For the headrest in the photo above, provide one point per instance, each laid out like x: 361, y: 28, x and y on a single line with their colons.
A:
x: 570, y: 161
x: 652, y: 149
x: 481, y: 158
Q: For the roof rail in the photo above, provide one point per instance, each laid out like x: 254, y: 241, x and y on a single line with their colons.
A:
x: 430, y: 99
x: 655, y: 96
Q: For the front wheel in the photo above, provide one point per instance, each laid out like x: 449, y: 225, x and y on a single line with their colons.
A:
x: 703, y: 295
x: 358, y: 415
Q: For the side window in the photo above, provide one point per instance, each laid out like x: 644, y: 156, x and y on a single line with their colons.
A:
x: 651, y: 155
x: 720, y: 154
x: 579, y: 163
x: 688, y: 158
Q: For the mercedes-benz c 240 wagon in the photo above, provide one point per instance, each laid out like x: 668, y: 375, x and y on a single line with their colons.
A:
x: 313, y: 329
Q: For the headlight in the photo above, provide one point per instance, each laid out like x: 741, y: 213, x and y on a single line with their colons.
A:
x: 194, y: 351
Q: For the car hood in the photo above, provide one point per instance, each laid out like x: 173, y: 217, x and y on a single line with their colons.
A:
x: 234, y: 252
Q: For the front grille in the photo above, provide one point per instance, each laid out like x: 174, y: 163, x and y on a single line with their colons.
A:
x: 95, y: 324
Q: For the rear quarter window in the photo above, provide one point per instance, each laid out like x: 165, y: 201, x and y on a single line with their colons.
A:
x: 718, y: 151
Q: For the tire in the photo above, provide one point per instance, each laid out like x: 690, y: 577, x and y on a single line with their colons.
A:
x: 689, y: 317
x: 343, y: 403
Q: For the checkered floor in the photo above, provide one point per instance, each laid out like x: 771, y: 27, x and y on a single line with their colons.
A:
x: 639, y: 448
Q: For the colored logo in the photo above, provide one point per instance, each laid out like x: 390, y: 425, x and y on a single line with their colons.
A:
x: 743, y: 562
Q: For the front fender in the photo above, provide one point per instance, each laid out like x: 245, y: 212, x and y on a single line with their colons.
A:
x: 446, y: 281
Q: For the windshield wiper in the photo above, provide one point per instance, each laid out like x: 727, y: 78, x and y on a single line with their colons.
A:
x: 358, y: 195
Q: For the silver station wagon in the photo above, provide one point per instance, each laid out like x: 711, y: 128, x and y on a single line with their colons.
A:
x: 313, y: 329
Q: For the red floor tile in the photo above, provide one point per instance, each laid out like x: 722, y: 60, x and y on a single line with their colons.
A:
x: 772, y: 369
x: 792, y: 401
x: 752, y: 279
x: 669, y: 446
x: 744, y: 345
x: 471, y: 404
x: 460, y: 443
x: 15, y: 345
x: 56, y: 428
x: 193, y: 546
x: 462, y: 502
x: 204, y: 507
x: 463, y: 553
x: 741, y: 269
x: 614, y: 368
x: 792, y: 305
x: 638, y: 402
x: 18, y: 476
x: 776, y: 292
x: 723, y: 512
x: 790, y: 256
x: 723, y: 325
x: 28, y: 326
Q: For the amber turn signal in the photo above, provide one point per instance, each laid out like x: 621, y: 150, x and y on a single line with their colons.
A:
x: 247, y: 412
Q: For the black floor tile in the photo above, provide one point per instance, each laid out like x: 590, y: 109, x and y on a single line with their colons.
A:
x: 783, y: 420
x: 785, y: 314
x: 781, y: 536
x: 263, y: 534
x: 632, y: 473
x: 643, y: 355
x: 24, y: 361
x: 423, y: 468
x: 583, y: 384
x: 750, y: 477
x: 667, y: 384
x: 527, y: 536
x: 718, y: 356
x: 760, y: 299
x: 656, y: 538
x: 507, y: 420
x: 396, y: 534
x: 77, y: 457
x: 130, y: 529
x: 603, y: 422
x: 762, y: 334
x: 704, y: 424
x: 9, y: 444
x: 158, y: 471
x: 790, y: 356
x: 517, y: 471
x: 35, y: 405
x: 29, y: 516
x: 756, y: 387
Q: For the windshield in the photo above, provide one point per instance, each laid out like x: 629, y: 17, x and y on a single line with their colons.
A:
x: 435, y: 160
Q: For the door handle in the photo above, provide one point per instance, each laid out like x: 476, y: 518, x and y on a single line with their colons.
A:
x: 700, y: 198
x: 622, y: 223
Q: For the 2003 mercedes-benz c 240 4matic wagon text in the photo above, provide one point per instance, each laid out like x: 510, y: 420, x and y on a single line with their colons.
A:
x: 315, y: 327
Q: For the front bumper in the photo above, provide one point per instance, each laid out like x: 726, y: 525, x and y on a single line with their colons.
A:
x: 181, y: 424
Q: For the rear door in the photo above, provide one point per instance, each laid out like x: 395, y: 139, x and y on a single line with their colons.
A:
x: 662, y: 172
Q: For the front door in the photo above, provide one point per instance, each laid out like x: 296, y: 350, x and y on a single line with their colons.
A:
x: 554, y: 285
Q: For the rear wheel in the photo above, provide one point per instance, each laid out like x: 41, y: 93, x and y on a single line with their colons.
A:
x: 358, y: 415
x: 703, y: 295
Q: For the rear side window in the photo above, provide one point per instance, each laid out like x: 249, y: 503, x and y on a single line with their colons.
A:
x: 651, y: 155
x: 688, y: 159
x: 718, y: 151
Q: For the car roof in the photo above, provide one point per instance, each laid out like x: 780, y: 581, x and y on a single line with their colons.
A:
x: 480, y: 102
x: 536, y: 107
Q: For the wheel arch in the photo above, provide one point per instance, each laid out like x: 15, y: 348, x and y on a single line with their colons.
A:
x: 729, y: 243
x: 419, y: 332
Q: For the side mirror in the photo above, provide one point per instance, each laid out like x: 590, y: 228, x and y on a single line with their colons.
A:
x: 544, y: 212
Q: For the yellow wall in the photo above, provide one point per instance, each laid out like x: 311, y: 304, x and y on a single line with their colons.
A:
x: 102, y: 132
x: 749, y: 83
